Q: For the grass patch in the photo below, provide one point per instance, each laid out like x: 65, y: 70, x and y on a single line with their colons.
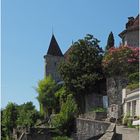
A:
x: 133, y: 86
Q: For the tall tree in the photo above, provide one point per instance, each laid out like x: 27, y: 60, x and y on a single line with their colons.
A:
x: 9, y: 116
x: 27, y: 115
x: 110, y: 41
x: 83, y: 68
x: 17, y: 115
x: 46, y: 95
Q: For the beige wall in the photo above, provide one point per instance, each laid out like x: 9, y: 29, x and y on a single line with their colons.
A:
x: 129, y: 100
x: 131, y: 38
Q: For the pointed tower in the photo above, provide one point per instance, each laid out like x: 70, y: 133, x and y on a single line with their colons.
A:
x: 53, y: 58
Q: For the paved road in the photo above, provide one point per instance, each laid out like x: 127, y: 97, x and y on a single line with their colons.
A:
x: 124, y: 133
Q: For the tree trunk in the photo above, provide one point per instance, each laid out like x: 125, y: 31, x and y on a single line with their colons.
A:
x: 45, y: 112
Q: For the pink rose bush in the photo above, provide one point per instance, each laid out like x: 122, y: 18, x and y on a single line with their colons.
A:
x: 121, y: 61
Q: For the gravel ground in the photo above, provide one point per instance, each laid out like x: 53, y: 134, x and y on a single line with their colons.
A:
x: 124, y: 133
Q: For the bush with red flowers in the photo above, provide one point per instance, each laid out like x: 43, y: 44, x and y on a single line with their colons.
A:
x: 121, y: 61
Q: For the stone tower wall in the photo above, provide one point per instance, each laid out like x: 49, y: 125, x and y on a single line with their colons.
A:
x: 114, y: 92
x: 51, y: 66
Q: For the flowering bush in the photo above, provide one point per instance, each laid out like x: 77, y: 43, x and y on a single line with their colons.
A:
x: 121, y: 61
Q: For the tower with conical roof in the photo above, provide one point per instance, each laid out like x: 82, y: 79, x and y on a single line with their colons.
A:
x: 53, y: 58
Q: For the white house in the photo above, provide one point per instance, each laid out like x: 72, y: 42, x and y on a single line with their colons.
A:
x: 131, y: 102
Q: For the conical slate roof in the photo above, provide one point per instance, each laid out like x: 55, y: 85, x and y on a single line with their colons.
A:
x: 54, y: 48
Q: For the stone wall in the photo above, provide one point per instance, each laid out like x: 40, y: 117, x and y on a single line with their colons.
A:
x: 93, y: 100
x: 114, y: 92
x: 87, y: 128
x: 110, y: 133
x: 35, y: 137
x: 51, y: 66
x: 94, y: 115
x: 35, y: 134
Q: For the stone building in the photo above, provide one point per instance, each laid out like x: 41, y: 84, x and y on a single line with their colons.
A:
x: 53, y: 58
x: 114, y: 93
x: 130, y: 36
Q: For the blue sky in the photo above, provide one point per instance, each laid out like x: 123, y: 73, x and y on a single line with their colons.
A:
x: 26, y: 32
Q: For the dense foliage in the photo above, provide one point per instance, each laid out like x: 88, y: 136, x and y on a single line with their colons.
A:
x: 121, y: 61
x: 14, y: 116
x: 133, y: 81
x: 46, y: 95
x: 64, y: 121
x: 9, y: 116
x: 61, y: 94
x: 83, y: 68
x: 110, y: 41
x: 27, y: 115
x: 54, y: 96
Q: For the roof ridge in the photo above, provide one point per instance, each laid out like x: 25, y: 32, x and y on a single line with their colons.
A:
x: 54, y: 48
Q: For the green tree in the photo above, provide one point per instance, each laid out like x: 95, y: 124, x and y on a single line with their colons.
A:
x: 46, y: 90
x: 13, y: 115
x: 121, y: 61
x: 9, y: 116
x: 83, y: 68
x: 64, y: 121
x: 27, y: 115
x: 61, y: 94
x: 110, y: 41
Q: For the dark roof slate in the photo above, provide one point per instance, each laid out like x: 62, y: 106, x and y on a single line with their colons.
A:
x: 54, y: 48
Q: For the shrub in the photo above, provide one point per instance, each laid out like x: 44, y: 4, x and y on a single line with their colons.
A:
x: 129, y: 123
x: 133, y: 81
x: 133, y: 86
x: 121, y: 61
x: 65, y: 119
x: 134, y: 77
x: 125, y: 119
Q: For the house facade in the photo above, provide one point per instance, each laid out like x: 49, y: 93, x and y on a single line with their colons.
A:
x: 130, y: 35
x: 131, y: 102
